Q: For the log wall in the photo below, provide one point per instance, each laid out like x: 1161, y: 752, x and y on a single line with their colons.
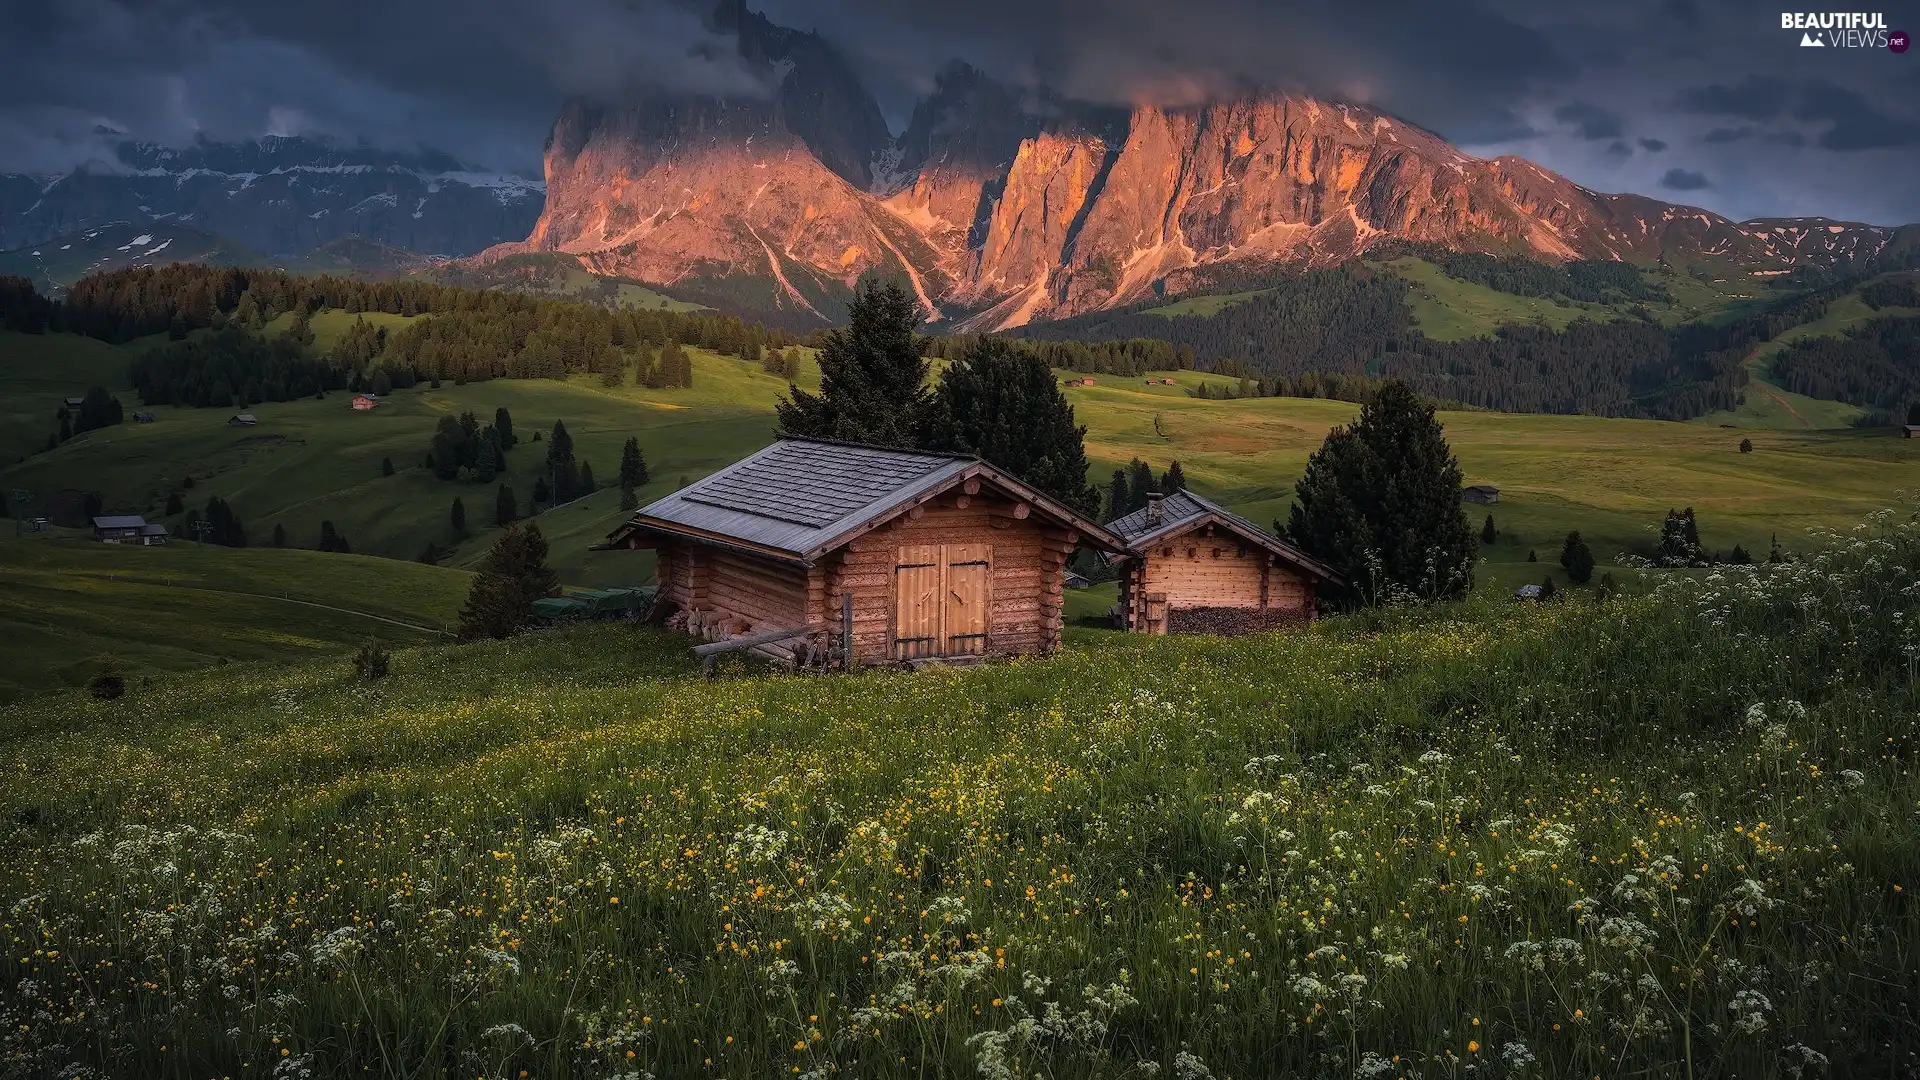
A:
x: 1210, y: 570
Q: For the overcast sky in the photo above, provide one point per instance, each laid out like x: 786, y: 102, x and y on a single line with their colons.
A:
x: 1708, y: 102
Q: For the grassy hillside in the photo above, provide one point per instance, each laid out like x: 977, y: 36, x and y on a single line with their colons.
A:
x: 66, y: 602
x: 316, y: 460
x: 1613, y: 480
x: 1448, y: 309
x: 560, y: 276
x: 1486, y: 840
x: 40, y: 371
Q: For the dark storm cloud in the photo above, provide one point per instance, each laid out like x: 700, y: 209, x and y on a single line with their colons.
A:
x: 1589, y: 121
x: 1757, y: 97
x: 1702, y: 87
x: 1684, y: 180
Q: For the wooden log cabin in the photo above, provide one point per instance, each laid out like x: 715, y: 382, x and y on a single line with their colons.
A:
x: 942, y: 555
x: 1191, y: 567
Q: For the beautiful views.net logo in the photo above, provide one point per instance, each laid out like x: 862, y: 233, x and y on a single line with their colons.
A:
x: 1843, y: 30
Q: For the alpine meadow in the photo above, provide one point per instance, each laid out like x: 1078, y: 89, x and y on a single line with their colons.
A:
x: 740, y: 539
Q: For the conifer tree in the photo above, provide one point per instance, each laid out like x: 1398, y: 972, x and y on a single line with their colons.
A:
x: 505, y: 508
x: 1140, y: 484
x: 1004, y: 405
x: 503, y: 427
x: 633, y: 473
x: 1174, y: 479
x: 386, y: 466
x: 457, y: 517
x: 560, y: 464
x: 513, y: 576
x: 279, y: 536
x: 541, y: 492
x: 226, y: 529
x: 1548, y: 590
x: 1577, y: 559
x: 872, y: 376
x: 1746, y: 446
x: 1118, y: 500
x: 174, y: 503
x: 331, y: 540
x: 584, y: 484
x: 1680, y: 541
x: 486, y: 464
x: 1775, y: 553
x: 1380, y: 501
x: 1487, y: 532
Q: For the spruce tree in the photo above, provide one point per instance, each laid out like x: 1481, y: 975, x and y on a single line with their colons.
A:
x: 512, y: 577
x: 541, y: 492
x: 560, y: 463
x: 505, y: 508
x: 448, y: 452
x: 1380, y: 501
x: 1118, y: 500
x: 1680, y: 541
x: 633, y: 465
x: 174, y: 503
x: 583, y: 481
x: 1577, y: 559
x: 1174, y: 479
x: 279, y: 536
x: 1775, y: 553
x: 457, y: 517
x: 486, y: 464
x: 1548, y: 590
x: 1746, y: 446
x: 872, y: 376
x: 1140, y: 484
x: 386, y: 466
x: 503, y: 427
x: 1003, y: 404
x: 1487, y: 532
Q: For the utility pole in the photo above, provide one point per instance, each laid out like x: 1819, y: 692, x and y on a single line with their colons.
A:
x: 20, y: 498
x: 201, y: 527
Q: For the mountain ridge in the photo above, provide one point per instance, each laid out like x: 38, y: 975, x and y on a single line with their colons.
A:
x: 1003, y: 206
x: 281, y: 195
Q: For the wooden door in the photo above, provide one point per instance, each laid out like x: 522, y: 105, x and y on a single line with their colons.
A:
x: 966, y: 598
x: 916, y: 602
x: 941, y: 600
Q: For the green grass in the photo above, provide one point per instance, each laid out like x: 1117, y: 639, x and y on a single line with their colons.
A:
x: 38, y: 372
x: 66, y: 601
x: 317, y: 460
x: 1611, y: 479
x: 1210, y: 304
x: 1668, y: 837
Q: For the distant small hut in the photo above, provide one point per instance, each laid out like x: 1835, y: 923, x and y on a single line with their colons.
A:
x: 143, y: 418
x: 245, y: 419
x: 926, y: 555
x: 119, y: 528
x: 364, y: 402
x: 1481, y: 493
x: 1192, y: 567
x: 1910, y: 430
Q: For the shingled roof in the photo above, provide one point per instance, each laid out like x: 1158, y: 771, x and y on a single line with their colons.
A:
x: 1184, y: 510
x: 799, y: 498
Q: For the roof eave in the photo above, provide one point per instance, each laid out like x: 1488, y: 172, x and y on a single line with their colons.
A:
x: 701, y: 536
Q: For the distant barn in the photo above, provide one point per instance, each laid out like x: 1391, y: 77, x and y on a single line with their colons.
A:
x: 1481, y: 493
x: 245, y: 419
x: 143, y: 418
x: 942, y: 555
x: 1192, y: 567
x: 363, y: 402
x: 127, y: 529
x: 1910, y: 430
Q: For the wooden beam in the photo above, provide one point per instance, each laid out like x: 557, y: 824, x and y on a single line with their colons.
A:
x: 971, y: 486
x: 1018, y: 511
x: 960, y: 502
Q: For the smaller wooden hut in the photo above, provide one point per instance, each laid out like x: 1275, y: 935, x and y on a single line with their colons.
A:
x: 1192, y: 567
x: 925, y: 555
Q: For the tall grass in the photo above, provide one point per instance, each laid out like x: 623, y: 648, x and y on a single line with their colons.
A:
x: 1669, y: 836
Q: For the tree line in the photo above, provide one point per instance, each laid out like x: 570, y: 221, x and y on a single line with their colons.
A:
x: 1876, y: 366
